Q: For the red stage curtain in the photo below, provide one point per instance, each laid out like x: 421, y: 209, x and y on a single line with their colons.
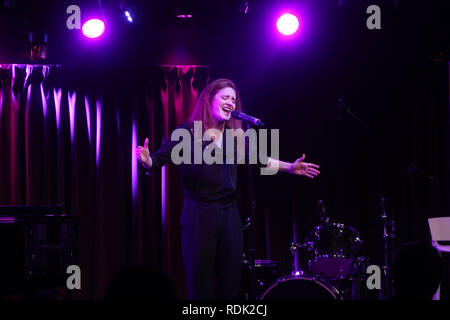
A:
x: 68, y: 136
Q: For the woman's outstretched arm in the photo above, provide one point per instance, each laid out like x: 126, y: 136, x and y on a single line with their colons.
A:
x: 299, y: 167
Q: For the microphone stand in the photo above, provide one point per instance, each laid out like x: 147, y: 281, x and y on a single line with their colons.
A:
x: 388, y: 222
x: 250, y: 262
x: 251, y: 295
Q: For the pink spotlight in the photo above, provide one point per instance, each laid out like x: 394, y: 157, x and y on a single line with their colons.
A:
x: 93, y: 28
x: 287, y: 24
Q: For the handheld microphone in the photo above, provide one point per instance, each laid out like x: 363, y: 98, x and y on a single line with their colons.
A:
x: 242, y: 116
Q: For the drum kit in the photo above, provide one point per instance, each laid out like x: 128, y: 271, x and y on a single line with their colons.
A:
x: 335, y: 268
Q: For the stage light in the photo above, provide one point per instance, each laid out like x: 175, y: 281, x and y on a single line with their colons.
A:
x: 287, y: 24
x: 244, y: 7
x: 128, y: 15
x: 93, y: 28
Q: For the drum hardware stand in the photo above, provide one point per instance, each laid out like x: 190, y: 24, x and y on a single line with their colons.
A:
x: 388, y: 235
x: 293, y: 249
x: 356, y: 259
x: 322, y: 212
x: 248, y: 223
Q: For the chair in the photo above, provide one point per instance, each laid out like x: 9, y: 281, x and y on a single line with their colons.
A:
x: 440, y: 231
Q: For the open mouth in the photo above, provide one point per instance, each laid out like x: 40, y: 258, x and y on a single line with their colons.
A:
x: 227, y: 110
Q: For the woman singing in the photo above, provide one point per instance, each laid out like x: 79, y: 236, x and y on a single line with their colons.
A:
x: 212, y: 233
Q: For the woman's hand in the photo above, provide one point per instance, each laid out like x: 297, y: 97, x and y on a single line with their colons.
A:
x: 143, y: 155
x: 304, y: 168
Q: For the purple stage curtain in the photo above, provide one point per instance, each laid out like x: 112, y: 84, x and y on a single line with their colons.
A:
x: 68, y: 137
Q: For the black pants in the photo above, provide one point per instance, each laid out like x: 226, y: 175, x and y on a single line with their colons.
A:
x: 212, y: 243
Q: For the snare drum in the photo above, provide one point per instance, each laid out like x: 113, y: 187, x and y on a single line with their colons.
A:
x: 335, y: 248
x: 301, y: 288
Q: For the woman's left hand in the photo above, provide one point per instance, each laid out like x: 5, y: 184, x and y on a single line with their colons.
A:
x: 301, y: 168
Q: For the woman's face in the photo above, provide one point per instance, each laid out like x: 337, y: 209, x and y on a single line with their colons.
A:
x: 222, y: 104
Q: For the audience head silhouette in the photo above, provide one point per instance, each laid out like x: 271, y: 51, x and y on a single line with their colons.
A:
x: 417, y: 271
x: 135, y: 283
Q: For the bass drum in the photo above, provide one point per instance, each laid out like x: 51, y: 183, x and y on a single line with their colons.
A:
x: 301, y: 288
